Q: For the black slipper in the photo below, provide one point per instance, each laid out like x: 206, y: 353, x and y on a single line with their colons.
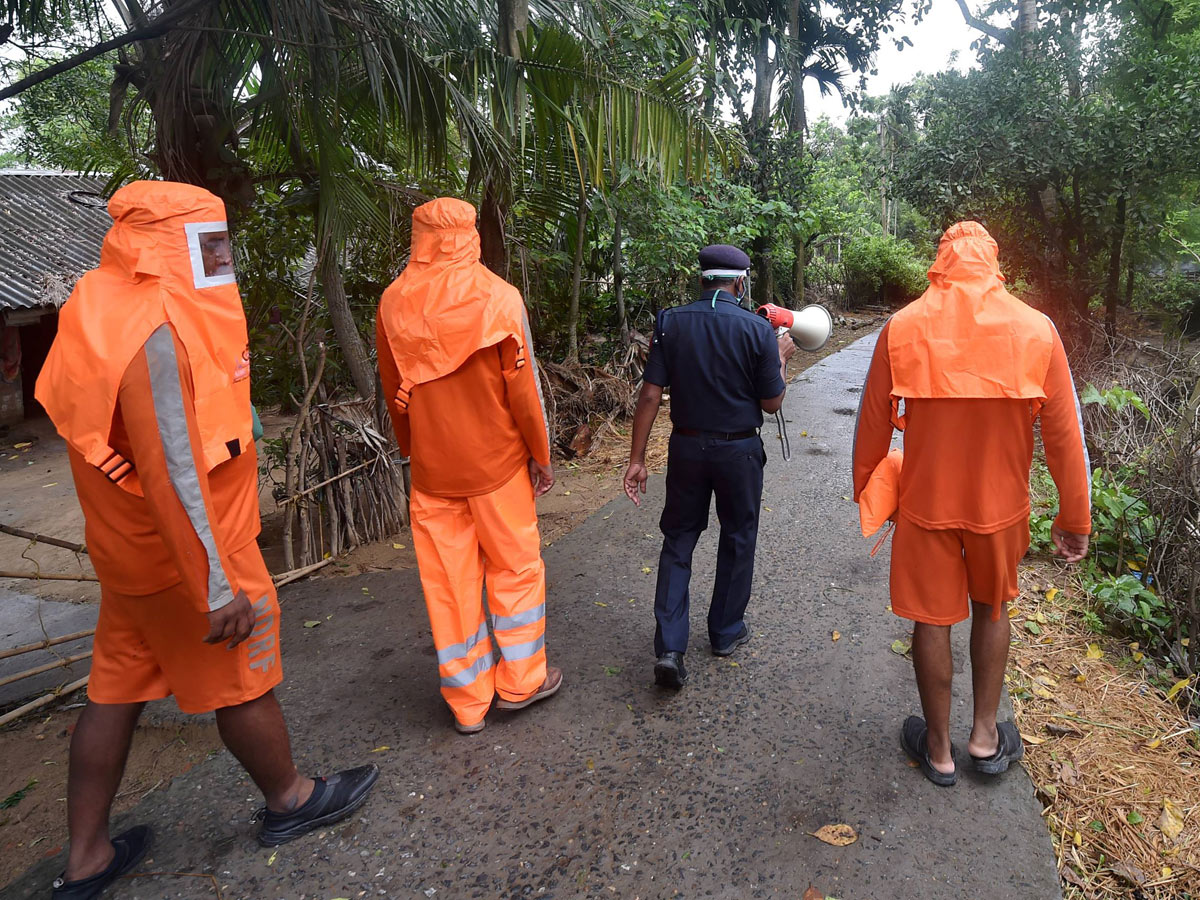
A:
x: 128, y: 849
x: 1009, y: 749
x: 914, y: 738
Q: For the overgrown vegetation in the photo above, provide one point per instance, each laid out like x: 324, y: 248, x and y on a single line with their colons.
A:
x: 1143, y: 571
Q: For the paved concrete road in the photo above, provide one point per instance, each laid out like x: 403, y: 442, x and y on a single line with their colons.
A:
x: 613, y: 788
x: 22, y: 618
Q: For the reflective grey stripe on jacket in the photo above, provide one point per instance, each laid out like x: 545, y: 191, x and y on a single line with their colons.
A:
x: 533, y: 367
x: 171, y: 416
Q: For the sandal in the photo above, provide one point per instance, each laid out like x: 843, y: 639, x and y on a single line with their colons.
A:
x: 914, y: 738
x: 1009, y: 749
x: 549, y: 688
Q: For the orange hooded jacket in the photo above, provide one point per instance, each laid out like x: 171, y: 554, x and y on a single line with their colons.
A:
x: 975, y: 366
x: 152, y: 270
x: 456, y: 362
x: 148, y: 383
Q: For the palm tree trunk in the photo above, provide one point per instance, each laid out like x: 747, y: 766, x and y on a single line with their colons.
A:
x: 760, y: 124
x: 797, y: 126
x: 362, y: 372
x: 618, y: 265
x: 577, y: 277
x: 512, y: 22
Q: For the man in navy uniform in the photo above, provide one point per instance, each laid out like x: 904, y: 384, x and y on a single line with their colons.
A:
x: 724, y: 367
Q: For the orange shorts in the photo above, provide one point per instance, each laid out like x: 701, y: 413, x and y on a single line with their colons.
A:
x: 934, y: 572
x: 151, y: 646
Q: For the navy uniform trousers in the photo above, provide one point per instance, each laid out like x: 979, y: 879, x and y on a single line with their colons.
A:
x: 698, y: 468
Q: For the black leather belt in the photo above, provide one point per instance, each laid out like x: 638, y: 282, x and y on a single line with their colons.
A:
x: 718, y: 435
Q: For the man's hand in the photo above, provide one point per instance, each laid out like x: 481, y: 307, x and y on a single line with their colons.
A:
x: 232, y: 622
x: 1069, y: 546
x: 787, y: 349
x: 635, y: 481
x: 541, y: 476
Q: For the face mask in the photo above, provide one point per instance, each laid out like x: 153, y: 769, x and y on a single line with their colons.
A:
x: 744, y: 294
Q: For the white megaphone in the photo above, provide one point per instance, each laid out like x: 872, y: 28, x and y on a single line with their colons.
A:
x: 810, y: 327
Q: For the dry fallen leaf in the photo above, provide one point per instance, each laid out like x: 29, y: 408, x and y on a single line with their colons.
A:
x: 813, y: 894
x: 381, y: 749
x: 1094, y: 652
x: 1051, y: 594
x: 22, y: 445
x: 1032, y: 740
x: 1040, y: 691
x: 1170, y: 823
x: 646, y: 570
x: 1177, y: 687
x: 1062, y: 730
x: 311, y: 623
x: 1130, y: 873
x: 397, y: 546
x: 836, y: 835
x: 837, y: 635
x: 901, y: 647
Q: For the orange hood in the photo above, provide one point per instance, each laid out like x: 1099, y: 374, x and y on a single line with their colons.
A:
x: 162, y: 261
x: 966, y: 336
x: 446, y: 304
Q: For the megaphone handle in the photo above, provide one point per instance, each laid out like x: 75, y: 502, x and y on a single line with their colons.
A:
x: 783, y: 436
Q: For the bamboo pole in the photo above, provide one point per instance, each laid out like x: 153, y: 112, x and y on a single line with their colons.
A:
x: 53, y: 576
x: 49, y: 642
x: 41, y: 538
x: 38, y: 670
x: 295, y: 574
x: 304, y: 493
x: 42, y: 701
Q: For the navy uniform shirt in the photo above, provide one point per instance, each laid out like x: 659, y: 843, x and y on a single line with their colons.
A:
x: 719, y: 360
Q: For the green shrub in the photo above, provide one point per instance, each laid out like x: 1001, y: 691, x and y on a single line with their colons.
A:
x: 882, y: 269
x: 1173, y: 295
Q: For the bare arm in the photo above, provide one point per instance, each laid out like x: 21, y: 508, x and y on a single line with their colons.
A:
x: 787, y: 349
x: 648, y: 403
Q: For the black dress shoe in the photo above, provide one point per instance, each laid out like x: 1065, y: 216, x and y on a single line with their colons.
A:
x: 332, y: 799
x: 743, y: 638
x: 669, y: 670
x: 128, y: 849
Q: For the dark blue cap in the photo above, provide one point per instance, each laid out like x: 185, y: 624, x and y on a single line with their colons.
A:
x: 724, y: 258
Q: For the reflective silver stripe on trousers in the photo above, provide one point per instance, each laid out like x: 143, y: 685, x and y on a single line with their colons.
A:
x: 503, y: 623
x: 522, y: 651
x: 177, y: 448
x: 459, y: 651
x: 470, y: 673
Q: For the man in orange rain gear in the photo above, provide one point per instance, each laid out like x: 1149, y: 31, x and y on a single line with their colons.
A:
x: 457, y: 367
x: 974, y: 367
x: 148, y: 383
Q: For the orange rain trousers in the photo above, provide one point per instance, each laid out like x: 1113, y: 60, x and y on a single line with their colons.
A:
x: 464, y: 544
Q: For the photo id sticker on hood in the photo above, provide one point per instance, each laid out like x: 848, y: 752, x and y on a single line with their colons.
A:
x: 211, y: 253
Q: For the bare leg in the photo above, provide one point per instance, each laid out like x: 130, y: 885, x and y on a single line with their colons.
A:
x: 256, y: 734
x: 99, y: 749
x: 934, y: 666
x: 989, y: 657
